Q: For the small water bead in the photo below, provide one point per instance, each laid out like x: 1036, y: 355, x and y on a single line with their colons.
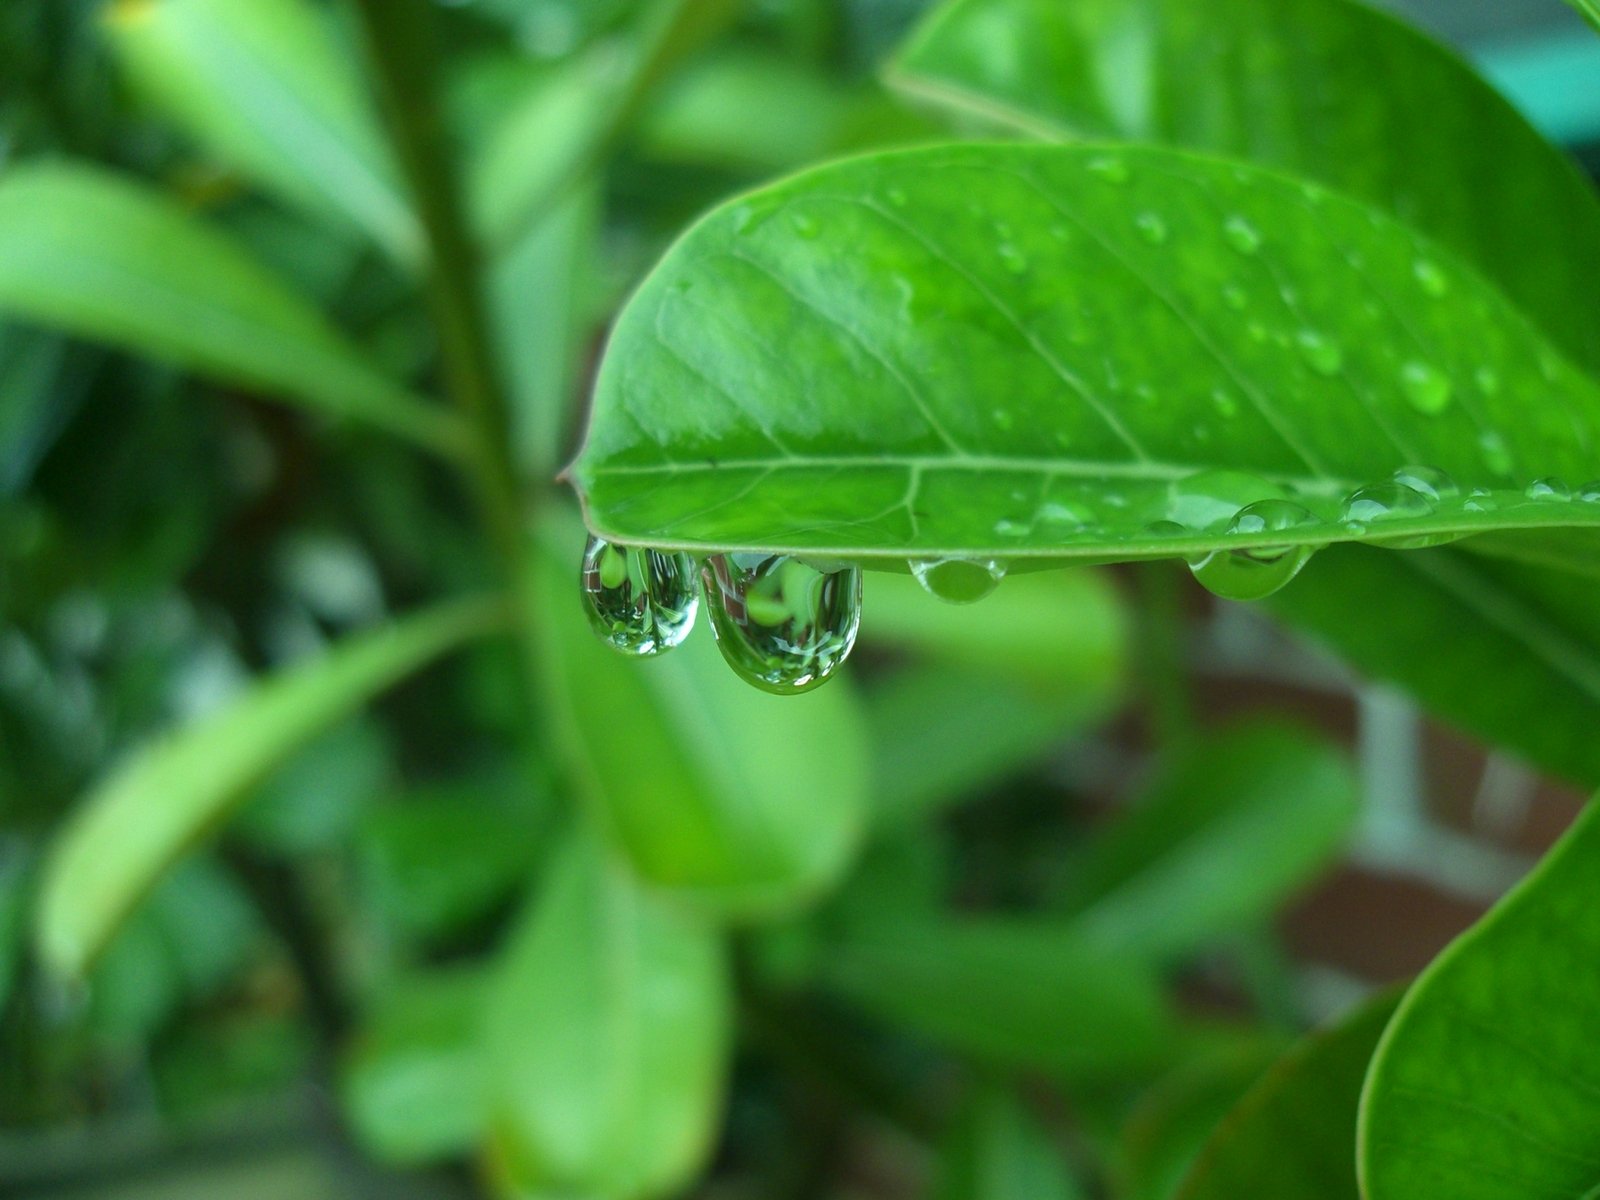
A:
x: 1109, y: 168
x: 1241, y: 235
x: 1549, y: 488
x: 1429, y: 482
x: 1321, y: 354
x: 1015, y: 261
x: 1479, y: 500
x: 1258, y: 571
x: 1496, y: 454
x: 1589, y: 493
x: 959, y: 580
x: 805, y: 225
x: 1426, y: 387
x: 1488, y: 381
x: 1235, y: 297
x: 781, y: 624
x: 1151, y: 228
x: 897, y: 197
x: 640, y: 602
x: 1224, y: 403
x: 1385, y: 502
x: 1431, y: 277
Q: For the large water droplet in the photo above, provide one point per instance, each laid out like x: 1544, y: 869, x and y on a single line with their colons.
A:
x: 1250, y: 574
x: 959, y: 580
x: 1426, y: 387
x: 1430, y: 482
x: 1549, y: 488
x: 1322, y: 355
x: 782, y: 625
x: 1385, y: 502
x: 1241, y: 235
x: 640, y: 602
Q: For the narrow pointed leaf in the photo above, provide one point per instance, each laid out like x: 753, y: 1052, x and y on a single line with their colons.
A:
x: 1048, y: 353
x: 609, y: 1035
x: 1590, y: 9
x: 1485, y: 1085
x: 268, y: 88
x: 1288, y: 83
x: 1292, y: 1136
x: 103, y: 257
x: 130, y: 830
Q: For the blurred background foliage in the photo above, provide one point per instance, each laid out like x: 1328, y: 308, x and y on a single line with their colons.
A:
x: 991, y: 921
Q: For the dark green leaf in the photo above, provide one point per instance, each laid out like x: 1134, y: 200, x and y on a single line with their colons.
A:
x: 103, y: 257
x: 1292, y: 1137
x: 127, y: 834
x: 944, y: 389
x: 608, y: 1038
x: 268, y: 87
x: 1484, y: 1087
x: 998, y: 1152
x: 1230, y: 830
x: 316, y: 800
x: 1289, y: 83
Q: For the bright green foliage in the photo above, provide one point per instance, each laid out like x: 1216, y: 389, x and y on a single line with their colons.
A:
x: 608, y: 1038
x: 1289, y: 84
x: 1231, y: 829
x: 1590, y: 9
x: 1484, y: 1085
x: 105, y: 258
x: 1229, y: 338
x: 997, y: 1151
x: 742, y: 802
x: 168, y: 797
x: 268, y: 88
x: 1291, y: 1136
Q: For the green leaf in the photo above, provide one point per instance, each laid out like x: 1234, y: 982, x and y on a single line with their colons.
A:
x: 609, y: 1037
x: 1230, y: 829
x: 745, y: 803
x: 1483, y: 1087
x: 416, y: 1082
x: 1048, y: 353
x: 1009, y: 991
x: 1289, y: 83
x: 268, y: 87
x: 103, y: 257
x: 1453, y: 621
x: 129, y: 832
x: 998, y: 1152
x: 1589, y: 8
x: 1292, y: 1136
x: 15, y: 878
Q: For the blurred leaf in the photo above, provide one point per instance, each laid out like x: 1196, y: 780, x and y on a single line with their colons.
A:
x: 1452, y: 621
x: 1230, y: 829
x: 1289, y: 84
x: 14, y: 894
x: 1292, y: 1137
x: 1010, y: 991
x: 746, y: 804
x: 610, y: 1032
x: 998, y: 1152
x: 316, y: 799
x: 1064, y: 632
x: 269, y: 88
x: 104, y: 257
x: 128, y: 833
x: 1484, y: 1086
x: 35, y: 400
x: 1590, y: 9
x: 416, y: 1083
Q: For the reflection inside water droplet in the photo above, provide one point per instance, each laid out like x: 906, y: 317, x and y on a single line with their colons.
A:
x: 959, y: 580
x: 1257, y: 571
x: 781, y: 624
x: 640, y: 602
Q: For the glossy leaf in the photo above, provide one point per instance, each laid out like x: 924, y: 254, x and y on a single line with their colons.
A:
x: 1225, y: 835
x: 103, y: 257
x: 1507, y: 651
x: 998, y: 1152
x: 1484, y: 1085
x: 416, y: 1081
x: 1288, y: 83
x: 136, y: 824
x: 1013, y: 992
x: 609, y: 1036
x: 745, y: 803
x: 1048, y: 353
x: 1590, y: 9
x: 268, y: 88
x: 1293, y: 1134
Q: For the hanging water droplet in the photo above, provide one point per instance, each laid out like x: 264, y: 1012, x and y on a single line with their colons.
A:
x: 1430, y: 277
x: 1430, y: 482
x: 781, y: 624
x: 1241, y: 235
x: 1109, y: 168
x: 1549, y: 488
x: 1321, y: 354
x: 1496, y: 454
x: 1258, y: 571
x: 959, y: 580
x: 641, y: 602
x: 1426, y: 387
x: 1151, y: 228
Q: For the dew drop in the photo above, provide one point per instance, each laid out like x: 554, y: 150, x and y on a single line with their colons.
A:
x: 959, y: 580
x: 1426, y: 387
x: 1211, y: 498
x: 1496, y: 454
x: 1589, y: 493
x: 1548, y: 488
x: 1224, y: 403
x: 1003, y: 420
x: 1015, y: 261
x: 1109, y: 168
x: 1250, y: 574
x: 1151, y: 228
x: 805, y: 225
x: 1430, y: 277
x: 1385, y: 502
x: 1487, y: 380
x: 640, y: 602
x: 1429, y: 482
x: 1241, y: 235
x: 1235, y: 298
x: 897, y: 197
x: 781, y: 624
x: 1322, y: 355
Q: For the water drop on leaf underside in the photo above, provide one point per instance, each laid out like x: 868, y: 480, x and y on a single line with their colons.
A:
x: 781, y: 624
x: 1256, y: 572
x: 959, y: 580
x: 640, y: 602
